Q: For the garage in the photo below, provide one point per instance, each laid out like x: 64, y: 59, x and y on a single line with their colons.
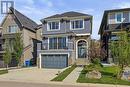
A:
x: 54, y: 60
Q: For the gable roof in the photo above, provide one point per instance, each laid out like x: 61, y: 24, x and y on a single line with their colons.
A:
x: 104, y: 19
x: 24, y: 20
x: 68, y: 14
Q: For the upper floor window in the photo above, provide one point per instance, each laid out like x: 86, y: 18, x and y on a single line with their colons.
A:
x: 77, y: 24
x: 53, y: 25
x: 12, y: 29
x: 119, y: 17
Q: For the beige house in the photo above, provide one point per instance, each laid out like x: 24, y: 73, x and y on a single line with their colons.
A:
x: 16, y: 22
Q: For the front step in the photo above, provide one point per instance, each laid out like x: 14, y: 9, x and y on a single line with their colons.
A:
x: 82, y: 61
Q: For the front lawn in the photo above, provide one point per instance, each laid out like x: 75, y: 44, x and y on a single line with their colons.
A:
x: 3, y: 72
x: 108, y: 77
x: 64, y: 74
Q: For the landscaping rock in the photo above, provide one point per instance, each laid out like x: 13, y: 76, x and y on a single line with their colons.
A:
x: 94, y: 75
x: 126, y: 74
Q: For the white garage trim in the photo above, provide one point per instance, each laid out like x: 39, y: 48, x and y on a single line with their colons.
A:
x: 51, y: 53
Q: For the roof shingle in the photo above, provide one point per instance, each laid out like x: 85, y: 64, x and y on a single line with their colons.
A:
x: 24, y: 20
x: 68, y: 14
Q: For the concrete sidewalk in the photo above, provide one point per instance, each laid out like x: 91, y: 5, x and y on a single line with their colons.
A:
x: 73, y: 76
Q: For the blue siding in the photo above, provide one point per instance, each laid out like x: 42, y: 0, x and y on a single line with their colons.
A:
x: 65, y: 27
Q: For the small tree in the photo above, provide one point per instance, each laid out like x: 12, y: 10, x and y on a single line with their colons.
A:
x: 7, y: 55
x: 18, y: 47
x: 120, y: 51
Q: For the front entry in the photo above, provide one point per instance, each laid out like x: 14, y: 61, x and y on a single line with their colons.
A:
x: 82, y: 49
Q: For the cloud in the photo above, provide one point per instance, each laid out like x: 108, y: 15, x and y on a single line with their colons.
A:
x: 96, y: 25
x: 48, y: 3
x: 123, y: 5
x: 35, y: 10
x: 88, y: 10
x: 36, y: 13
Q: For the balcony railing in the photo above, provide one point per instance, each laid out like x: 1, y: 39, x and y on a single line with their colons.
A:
x: 56, y: 46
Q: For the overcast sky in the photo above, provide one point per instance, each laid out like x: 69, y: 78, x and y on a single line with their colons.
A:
x: 38, y: 9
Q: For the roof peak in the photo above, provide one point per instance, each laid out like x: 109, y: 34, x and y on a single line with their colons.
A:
x: 24, y: 20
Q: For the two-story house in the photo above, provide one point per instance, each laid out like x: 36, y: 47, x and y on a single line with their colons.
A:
x: 113, y: 22
x: 65, y: 40
x: 16, y: 22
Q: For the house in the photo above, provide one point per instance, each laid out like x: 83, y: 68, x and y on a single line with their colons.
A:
x: 113, y: 22
x: 16, y: 22
x: 65, y: 40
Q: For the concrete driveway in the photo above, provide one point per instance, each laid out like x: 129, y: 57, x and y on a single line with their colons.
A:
x: 30, y: 75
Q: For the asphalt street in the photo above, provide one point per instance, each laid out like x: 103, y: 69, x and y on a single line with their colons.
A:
x: 20, y: 84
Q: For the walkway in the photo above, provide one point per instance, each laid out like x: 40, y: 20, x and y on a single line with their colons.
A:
x: 73, y: 76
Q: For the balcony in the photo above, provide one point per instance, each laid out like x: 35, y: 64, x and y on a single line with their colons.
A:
x: 55, y: 46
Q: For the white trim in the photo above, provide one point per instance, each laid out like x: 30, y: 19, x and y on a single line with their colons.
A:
x: 121, y: 17
x: 77, y: 47
x: 40, y: 64
x: 48, y: 29
x: 57, y: 41
x: 54, y: 54
x: 83, y: 34
x: 76, y: 28
x: 129, y: 16
x: 67, y: 40
x: 14, y: 25
x: 48, y: 43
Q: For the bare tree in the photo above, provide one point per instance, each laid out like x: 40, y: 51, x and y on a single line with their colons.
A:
x: 95, y: 50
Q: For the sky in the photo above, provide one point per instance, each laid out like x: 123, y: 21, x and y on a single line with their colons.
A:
x: 39, y: 9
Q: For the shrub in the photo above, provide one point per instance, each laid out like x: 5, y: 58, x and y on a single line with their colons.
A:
x: 97, y: 61
x: 3, y: 71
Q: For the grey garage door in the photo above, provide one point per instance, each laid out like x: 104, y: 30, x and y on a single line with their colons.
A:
x: 54, y: 60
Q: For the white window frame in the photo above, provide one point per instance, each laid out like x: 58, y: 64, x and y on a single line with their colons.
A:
x: 48, y: 28
x: 76, y: 28
x: 11, y: 26
x: 121, y: 17
x: 57, y: 42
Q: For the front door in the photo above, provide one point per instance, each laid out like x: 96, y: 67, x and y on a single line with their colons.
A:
x: 82, y: 49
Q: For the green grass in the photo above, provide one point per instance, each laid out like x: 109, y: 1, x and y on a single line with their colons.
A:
x: 107, y: 77
x: 3, y: 72
x: 64, y: 74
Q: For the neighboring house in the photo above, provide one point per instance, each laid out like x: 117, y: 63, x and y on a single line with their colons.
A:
x: 65, y: 40
x: 113, y: 22
x: 15, y: 22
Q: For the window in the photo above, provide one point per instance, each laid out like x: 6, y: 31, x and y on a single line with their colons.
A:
x: 119, y: 17
x: 52, y: 43
x: 54, y: 25
x: 57, y: 43
x: 61, y: 42
x: 114, y: 37
x: 12, y: 29
x: 77, y: 24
